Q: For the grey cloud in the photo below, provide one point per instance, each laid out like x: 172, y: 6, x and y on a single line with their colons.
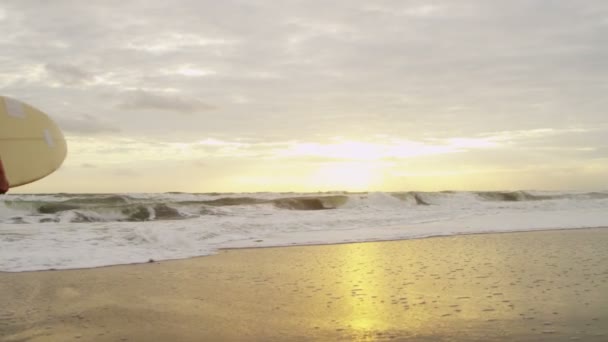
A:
x: 67, y: 74
x: 396, y: 68
x: 141, y: 100
x: 86, y: 124
x: 578, y: 141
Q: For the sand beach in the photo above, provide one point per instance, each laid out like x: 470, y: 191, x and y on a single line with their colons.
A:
x: 528, y: 286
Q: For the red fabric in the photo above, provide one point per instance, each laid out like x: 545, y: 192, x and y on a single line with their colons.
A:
x: 3, y: 181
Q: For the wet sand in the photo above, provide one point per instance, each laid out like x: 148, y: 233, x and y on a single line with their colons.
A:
x: 535, y: 286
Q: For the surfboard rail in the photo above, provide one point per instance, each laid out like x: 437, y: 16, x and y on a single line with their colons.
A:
x: 32, y: 145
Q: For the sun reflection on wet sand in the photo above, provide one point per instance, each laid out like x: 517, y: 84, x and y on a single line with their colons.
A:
x: 539, y: 286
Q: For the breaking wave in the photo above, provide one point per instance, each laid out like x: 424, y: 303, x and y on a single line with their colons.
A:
x: 86, y: 230
x: 516, y: 196
x: 310, y: 203
x: 124, y: 208
x: 179, y: 206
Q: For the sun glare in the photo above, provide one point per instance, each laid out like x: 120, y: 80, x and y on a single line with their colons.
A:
x: 350, y: 150
x: 373, y: 151
x: 354, y: 176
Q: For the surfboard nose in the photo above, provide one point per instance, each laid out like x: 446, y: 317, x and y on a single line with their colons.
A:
x: 31, y: 144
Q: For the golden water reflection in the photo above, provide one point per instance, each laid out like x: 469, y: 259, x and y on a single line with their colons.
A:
x: 506, y: 285
x: 370, y: 285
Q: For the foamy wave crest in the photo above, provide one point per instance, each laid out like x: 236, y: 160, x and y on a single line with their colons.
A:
x: 87, y: 230
x: 94, y: 208
x: 67, y: 208
x: 104, y: 208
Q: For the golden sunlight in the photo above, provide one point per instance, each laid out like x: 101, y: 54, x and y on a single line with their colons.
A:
x: 371, y: 151
x: 354, y: 176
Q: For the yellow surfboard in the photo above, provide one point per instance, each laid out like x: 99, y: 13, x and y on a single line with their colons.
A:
x: 31, y: 144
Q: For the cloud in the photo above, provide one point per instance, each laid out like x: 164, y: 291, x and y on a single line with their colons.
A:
x: 142, y: 100
x: 125, y: 173
x: 174, y: 41
x: 447, y: 68
x: 86, y: 125
x: 518, y: 74
x: 67, y: 74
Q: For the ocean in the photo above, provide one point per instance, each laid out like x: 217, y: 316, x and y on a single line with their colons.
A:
x: 64, y: 231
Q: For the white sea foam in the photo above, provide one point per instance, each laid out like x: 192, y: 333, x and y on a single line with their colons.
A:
x: 77, y: 231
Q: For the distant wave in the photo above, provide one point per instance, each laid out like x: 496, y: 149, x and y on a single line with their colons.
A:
x: 415, y: 197
x: 124, y: 208
x: 310, y: 203
x: 515, y: 196
x: 179, y: 206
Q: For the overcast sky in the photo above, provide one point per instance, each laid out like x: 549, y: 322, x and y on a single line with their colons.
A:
x: 203, y: 96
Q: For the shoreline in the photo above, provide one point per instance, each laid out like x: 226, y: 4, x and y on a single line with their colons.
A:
x: 384, y: 240
x: 525, y: 286
x: 222, y: 250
